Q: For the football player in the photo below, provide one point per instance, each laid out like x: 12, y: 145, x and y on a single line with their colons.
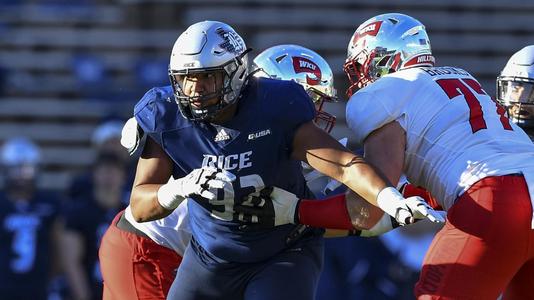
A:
x: 515, y: 89
x: 148, y: 244
x: 223, y: 135
x: 313, y: 73
x: 309, y: 69
x: 173, y: 232
x: 440, y: 128
x: 29, y: 224
x: 86, y: 219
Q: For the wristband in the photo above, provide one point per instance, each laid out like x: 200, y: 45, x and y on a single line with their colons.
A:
x: 167, y: 198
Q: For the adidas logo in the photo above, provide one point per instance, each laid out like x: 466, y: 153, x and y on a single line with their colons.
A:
x: 222, y: 136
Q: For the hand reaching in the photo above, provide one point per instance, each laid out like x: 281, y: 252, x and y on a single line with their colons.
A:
x: 406, y: 211
x: 203, y: 182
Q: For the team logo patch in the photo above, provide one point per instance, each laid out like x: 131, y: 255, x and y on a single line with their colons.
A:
x: 232, y: 42
x: 371, y: 29
x: 301, y: 64
x: 259, y: 134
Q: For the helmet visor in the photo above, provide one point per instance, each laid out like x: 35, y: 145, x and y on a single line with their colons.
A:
x: 211, y: 83
x: 512, y: 90
x: 517, y: 95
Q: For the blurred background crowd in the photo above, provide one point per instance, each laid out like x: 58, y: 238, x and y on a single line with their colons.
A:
x: 71, y: 71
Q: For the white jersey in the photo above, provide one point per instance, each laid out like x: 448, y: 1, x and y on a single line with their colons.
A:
x: 172, y: 232
x: 455, y: 133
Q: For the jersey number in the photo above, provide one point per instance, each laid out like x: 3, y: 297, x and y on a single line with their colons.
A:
x: 24, y: 242
x: 454, y: 87
x: 223, y: 207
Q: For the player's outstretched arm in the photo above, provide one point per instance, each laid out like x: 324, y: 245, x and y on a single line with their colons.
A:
x: 347, y: 214
x: 384, y: 148
x: 325, y: 154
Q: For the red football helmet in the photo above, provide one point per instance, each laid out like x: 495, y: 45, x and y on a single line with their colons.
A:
x: 385, y: 44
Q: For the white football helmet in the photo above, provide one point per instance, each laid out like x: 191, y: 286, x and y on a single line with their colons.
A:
x: 19, y: 159
x: 305, y: 67
x: 19, y: 150
x: 207, y: 47
x: 515, y: 87
x: 385, y: 44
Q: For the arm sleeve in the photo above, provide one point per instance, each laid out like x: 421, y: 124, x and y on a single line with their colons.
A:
x: 330, y: 213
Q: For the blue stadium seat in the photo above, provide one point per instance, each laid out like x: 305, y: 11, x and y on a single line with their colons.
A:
x: 151, y: 72
x: 91, y: 75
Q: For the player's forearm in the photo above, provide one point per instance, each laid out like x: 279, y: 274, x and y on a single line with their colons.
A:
x: 326, y: 155
x: 364, y: 179
x: 351, y: 170
x: 145, y: 205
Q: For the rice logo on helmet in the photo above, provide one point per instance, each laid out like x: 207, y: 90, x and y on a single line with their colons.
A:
x: 232, y: 42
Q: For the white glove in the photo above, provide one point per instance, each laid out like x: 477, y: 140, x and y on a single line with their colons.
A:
x: 269, y: 207
x: 405, y: 211
x: 386, y: 224
x: 203, y: 182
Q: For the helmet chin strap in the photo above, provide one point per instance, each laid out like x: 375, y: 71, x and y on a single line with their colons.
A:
x: 205, y: 113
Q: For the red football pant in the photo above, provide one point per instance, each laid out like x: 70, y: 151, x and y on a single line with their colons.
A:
x: 134, y: 267
x: 486, y: 245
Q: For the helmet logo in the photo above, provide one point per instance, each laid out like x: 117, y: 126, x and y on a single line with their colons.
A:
x: 301, y: 64
x: 232, y: 42
x: 371, y: 29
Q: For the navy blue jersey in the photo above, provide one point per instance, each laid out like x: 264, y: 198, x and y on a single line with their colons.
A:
x: 25, y: 229
x: 255, y: 145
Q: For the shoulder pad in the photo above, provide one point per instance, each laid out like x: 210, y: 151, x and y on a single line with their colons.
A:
x: 157, y: 110
x: 132, y: 136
